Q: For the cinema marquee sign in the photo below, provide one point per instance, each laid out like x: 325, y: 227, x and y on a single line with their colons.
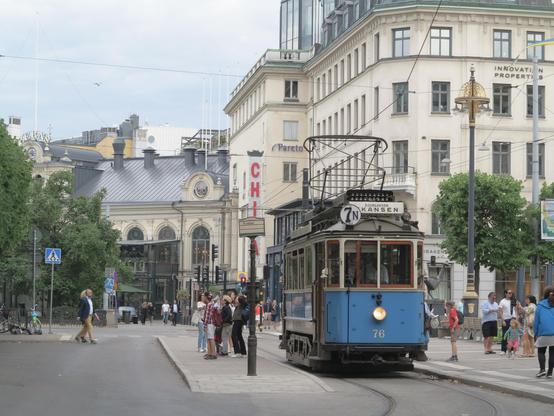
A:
x: 515, y: 72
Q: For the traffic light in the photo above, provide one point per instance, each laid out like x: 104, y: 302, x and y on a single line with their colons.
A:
x: 206, y: 273
x: 215, y: 252
x: 197, y: 273
x: 217, y: 274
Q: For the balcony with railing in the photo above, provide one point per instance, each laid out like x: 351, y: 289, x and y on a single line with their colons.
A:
x: 275, y: 56
x: 400, y: 179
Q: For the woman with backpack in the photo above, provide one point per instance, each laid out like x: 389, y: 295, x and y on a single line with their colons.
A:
x: 240, y: 317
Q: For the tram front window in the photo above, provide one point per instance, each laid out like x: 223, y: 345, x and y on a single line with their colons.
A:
x: 396, y: 259
x: 360, y: 263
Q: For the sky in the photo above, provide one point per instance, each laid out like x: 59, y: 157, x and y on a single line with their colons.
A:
x: 214, y: 36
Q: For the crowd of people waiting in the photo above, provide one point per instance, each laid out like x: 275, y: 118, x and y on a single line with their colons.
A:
x: 220, y: 322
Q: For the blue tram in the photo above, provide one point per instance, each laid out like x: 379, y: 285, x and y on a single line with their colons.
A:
x: 352, y: 293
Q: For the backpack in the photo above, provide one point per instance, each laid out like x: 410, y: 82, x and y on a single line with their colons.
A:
x: 217, y: 317
x: 460, y: 317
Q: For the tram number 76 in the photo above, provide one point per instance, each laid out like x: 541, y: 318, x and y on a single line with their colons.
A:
x: 378, y: 333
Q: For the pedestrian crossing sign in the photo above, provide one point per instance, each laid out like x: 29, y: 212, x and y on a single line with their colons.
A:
x: 53, y: 256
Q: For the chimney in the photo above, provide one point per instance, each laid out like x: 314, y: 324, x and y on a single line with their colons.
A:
x: 305, y: 189
x: 118, y: 152
x: 188, y: 152
x: 149, y: 156
x: 202, y: 154
x: 222, y: 154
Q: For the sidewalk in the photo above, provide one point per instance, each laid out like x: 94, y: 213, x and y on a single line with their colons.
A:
x: 495, y: 372
x: 228, y: 375
x: 45, y: 337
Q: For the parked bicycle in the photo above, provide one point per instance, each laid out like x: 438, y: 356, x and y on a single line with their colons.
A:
x: 34, y: 325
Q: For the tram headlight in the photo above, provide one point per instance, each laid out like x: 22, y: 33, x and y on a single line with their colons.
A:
x: 379, y: 313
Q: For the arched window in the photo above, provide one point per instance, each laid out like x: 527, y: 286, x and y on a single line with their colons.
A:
x: 200, y: 246
x: 135, y: 233
x: 166, y: 233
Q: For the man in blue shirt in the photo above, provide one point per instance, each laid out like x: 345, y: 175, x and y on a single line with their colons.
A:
x: 489, y: 320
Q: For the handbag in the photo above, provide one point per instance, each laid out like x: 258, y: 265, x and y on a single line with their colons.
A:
x: 195, y: 318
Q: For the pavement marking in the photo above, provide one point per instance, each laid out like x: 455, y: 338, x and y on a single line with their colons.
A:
x: 499, y: 374
x: 455, y: 366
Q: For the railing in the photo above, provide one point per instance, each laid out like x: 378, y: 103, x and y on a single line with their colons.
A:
x: 543, y: 4
x: 274, y: 55
x: 398, y: 179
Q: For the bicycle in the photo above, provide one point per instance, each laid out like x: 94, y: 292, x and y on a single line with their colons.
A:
x: 35, y: 325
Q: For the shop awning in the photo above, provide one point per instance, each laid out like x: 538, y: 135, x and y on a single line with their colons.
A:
x: 123, y: 288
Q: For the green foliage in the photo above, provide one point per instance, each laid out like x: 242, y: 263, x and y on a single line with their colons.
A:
x: 501, y: 221
x: 15, y: 179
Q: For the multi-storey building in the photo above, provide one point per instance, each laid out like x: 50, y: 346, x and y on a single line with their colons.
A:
x: 392, y: 69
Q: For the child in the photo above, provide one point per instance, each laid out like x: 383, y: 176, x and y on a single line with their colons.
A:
x: 454, y: 326
x: 513, y: 335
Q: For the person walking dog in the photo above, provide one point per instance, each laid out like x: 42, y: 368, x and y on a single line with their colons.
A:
x: 86, y: 313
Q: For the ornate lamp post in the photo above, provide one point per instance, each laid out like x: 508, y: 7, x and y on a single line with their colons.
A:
x: 472, y: 100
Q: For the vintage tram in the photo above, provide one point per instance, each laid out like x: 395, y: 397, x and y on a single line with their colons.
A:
x: 351, y: 289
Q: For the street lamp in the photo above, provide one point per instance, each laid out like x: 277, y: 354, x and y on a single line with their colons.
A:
x: 472, y: 100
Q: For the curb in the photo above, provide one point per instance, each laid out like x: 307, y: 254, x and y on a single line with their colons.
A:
x: 489, y: 386
x: 35, y: 339
x: 183, y: 372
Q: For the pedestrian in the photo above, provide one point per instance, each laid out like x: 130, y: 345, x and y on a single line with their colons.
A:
x: 227, y: 325
x: 165, y: 312
x: 512, y: 337
x: 174, y: 312
x: 240, y: 316
x: 507, y: 315
x: 234, y: 301
x: 260, y: 315
x: 150, y: 312
x: 275, y: 314
x: 86, y: 314
x: 489, y: 322
x: 528, y: 322
x: 267, y: 313
x: 143, y: 312
x: 454, y: 326
x: 544, y: 332
x: 209, y: 325
x: 218, y: 323
x: 196, y: 319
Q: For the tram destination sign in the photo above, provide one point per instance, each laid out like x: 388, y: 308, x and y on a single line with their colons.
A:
x: 379, y: 208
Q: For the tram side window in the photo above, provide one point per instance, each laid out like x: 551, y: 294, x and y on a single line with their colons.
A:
x: 309, y: 268
x: 333, y: 263
x: 302, y: 269
x: 294, y: 270
x: 288, y: 274
x: 420, y: 272
x: 319, y: 259
x: 350, y: 262
x: 396, y: 260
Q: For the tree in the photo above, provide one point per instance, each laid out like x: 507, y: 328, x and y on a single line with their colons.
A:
x: 15, y: 180
x: 501, y: 226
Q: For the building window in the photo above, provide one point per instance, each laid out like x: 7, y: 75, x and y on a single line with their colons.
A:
x: 530, y: 160
x: 289, y: 172
x: 290, y: 130
x: 375, y: 103
x: 501, y: 158
x: 291, y: 90
x: 440, y: 157
x: 166, y: 233
x: 376, y: 47
x: 329, y: 125
x: 355, y: 115
x: 348, y: 67
x: 530, y: 100
x: 364, y: 56
x: 324, y: 127
x: 502, y: 96
x: 356, y: 62
x: 330, y: 88
x: 318, y: 89
x: 342, y: 121
x: 400, y: 156
x: 342, y: 72
x: 400, y: 97
x: 440, y: 97
x: 362, y: 111
x: 336, y: 76
x: 323, y: 86
x: 400, y: 42
x: 538, y: 51
x: 502, y: 43
x: 318, y: 129
x: 435, y: 224
x: 441, y: 41
x: 336, y: 124
x: 348, y: 119
x: 200, y: 246
x: 135, y: 234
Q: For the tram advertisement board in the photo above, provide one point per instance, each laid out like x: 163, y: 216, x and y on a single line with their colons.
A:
x: 379, y: 208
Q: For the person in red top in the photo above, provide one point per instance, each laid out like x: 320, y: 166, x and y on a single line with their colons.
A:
x: 454, y: 327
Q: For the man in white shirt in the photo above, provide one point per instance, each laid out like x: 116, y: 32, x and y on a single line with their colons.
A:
x: 508, y: 312
x: 165, y: 312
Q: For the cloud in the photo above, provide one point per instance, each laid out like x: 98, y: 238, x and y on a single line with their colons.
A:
x: 226, y: 36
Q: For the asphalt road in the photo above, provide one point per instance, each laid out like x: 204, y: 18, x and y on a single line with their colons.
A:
x: 128, y: 374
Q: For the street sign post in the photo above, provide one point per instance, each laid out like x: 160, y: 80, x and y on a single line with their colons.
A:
x: 52, y: 256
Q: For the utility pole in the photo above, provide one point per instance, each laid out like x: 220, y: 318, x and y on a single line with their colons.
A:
x: 252, y: 340
x: 535, y: 273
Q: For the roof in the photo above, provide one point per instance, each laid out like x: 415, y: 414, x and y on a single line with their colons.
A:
x: 124, y: 288
x: 76, y: 155
x: 161, y: 183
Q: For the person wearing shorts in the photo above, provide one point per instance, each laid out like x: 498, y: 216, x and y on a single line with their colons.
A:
x: 489, y: 322
x: 454, y: 326
x: 210, y: 326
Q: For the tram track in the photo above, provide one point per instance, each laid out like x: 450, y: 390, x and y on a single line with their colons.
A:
x: 390, y: 403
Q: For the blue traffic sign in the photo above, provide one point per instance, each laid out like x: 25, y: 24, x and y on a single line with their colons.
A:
x: 109, y: 285
x: 53, y: 256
